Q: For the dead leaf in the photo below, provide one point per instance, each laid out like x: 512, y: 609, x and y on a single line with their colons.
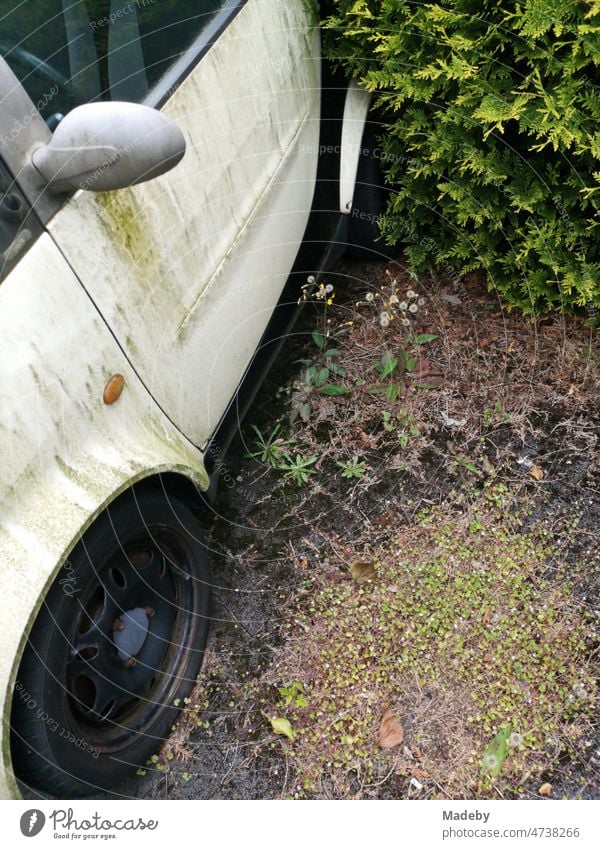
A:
x: 433, y: 382
x: 536, y: 473
x: 426, y: 375
x: 449, y: 421
x: 423, y: 368
x: 391, y: 732
x: 488, y: 467
x: 362, y: 571
x: 420, y: 774
x: 485, y: 619
x: 451, y: 299
x: 545, y: 790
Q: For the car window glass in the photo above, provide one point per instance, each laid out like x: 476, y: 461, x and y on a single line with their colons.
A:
x: 68, y: 52
x: 18, y: 225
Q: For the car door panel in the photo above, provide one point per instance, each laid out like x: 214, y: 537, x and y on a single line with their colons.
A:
x: 187, y: 268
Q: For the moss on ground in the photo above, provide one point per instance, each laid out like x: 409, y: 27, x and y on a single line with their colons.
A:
x: 461, y: 631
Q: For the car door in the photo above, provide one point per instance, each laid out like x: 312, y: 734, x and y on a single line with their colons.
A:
x: 186, y: 269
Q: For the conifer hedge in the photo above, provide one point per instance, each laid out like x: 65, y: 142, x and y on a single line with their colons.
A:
x: 490, y: 138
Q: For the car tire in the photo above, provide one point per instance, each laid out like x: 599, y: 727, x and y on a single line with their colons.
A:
x: 118, y: 643
x: 369, y: 204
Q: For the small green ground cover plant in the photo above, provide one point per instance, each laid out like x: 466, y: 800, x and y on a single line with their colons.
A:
x: 460, y: 633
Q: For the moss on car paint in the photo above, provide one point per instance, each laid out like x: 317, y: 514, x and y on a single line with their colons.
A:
x: 119, y: 216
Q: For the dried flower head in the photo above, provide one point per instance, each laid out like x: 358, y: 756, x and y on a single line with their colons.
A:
x: 490, y: 762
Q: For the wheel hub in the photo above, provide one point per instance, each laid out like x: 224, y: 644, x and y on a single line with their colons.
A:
x: 129, y: 633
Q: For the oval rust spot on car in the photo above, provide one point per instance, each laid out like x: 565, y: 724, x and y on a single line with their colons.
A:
x: 113, y: 389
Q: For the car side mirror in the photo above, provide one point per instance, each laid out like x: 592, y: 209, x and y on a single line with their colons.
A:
x: 105, y: 146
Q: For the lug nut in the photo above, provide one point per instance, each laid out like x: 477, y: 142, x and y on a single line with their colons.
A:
x: 118, y: 624
x: 149, y: 612
x: 131, y: 661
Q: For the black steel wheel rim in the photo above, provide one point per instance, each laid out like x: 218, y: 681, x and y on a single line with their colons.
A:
x: 130, y: 639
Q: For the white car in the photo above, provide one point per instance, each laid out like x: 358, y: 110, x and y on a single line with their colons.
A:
x: 159, y: 199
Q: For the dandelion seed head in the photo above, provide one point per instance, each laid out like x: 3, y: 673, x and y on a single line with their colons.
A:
x: 515, y: 740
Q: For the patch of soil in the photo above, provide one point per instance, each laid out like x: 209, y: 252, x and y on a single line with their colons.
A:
x: 494, y: 397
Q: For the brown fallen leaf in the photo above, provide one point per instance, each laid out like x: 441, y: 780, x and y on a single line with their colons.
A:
x: 536, y: 473
x: 391, y: 732
x: 426, y: 374
x: 545, y: 790
x: 362, y: 571
x: 419, y: 774
x: 433, y: 382
x: 423, y: 368
x: 485, y: 619
x: 451, y: 299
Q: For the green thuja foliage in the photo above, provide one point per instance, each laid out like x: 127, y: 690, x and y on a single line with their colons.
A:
x: 490, y: 116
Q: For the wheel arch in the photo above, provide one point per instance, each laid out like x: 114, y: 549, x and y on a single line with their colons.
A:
x: 42, y: 702
x: 185, y: 479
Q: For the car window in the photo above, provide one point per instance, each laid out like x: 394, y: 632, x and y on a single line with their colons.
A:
x: 68, y: 52
x: 18, y: 224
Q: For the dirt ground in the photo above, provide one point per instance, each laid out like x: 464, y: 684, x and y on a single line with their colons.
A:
x: 459, y: 441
